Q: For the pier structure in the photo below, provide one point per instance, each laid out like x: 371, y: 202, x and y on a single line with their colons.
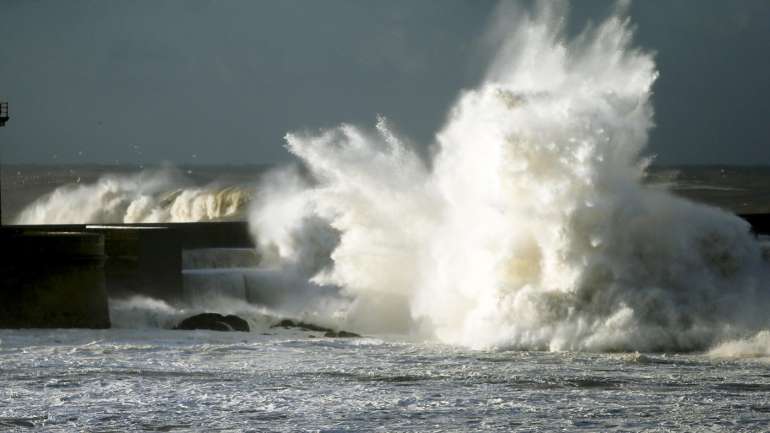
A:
x: 62, y: 276
x: 53, y: 280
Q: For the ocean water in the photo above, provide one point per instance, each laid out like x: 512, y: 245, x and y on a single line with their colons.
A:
x: 534, y: 273
x: 128, y: 380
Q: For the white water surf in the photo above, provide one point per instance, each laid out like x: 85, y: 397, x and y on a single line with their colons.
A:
x: 529, y: 227
x: 150, y: 196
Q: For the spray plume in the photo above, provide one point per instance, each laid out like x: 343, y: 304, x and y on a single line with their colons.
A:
x: 530, y: 227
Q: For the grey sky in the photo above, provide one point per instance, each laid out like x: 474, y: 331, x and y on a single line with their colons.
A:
x: 207, y: 81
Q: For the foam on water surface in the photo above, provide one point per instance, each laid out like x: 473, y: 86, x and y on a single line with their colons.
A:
x: 162, y: 380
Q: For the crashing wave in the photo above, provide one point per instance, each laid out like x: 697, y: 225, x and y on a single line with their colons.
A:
x: 530, y: 227
x: 150, y: 196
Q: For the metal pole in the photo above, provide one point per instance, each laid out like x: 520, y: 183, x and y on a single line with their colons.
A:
x: 3, y: 118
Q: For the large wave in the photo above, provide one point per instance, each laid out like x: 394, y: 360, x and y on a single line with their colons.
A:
x: 150, y: 196
x: 529, y: 227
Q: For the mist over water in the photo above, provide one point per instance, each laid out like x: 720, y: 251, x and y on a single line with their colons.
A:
x: 529, y: 226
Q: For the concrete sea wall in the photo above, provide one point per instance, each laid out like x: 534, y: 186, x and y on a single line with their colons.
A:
x: 53, y: 280
x: 63, y: 275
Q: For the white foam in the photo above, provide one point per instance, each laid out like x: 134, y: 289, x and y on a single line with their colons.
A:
x: 150, y: 196
x: 757, y: 346
x: 530, y: 226
x: 141, y: 312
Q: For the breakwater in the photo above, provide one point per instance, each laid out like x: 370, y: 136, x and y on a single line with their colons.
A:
x: 63, y: 275
x: 53, y: 280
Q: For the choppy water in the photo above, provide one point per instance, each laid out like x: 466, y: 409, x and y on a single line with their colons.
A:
x: 124, y: 380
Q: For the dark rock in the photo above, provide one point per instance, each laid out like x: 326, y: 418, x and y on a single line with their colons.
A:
x: 16, y: 422
x: 288, y: 323
x: 346, y: 334
x: 328, y: 332
x: 214, y: 322
x: 341, y: 334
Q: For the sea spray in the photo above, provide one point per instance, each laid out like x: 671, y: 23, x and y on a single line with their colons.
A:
x: 530, y: 227
x: 140, y: 312
x: 757, y: 346
x: 148, y: 196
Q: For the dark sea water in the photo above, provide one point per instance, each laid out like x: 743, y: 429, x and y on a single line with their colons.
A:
x: 740, y: 189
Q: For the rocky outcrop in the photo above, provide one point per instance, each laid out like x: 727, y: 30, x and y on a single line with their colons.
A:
x: 214, y: 322
x: 341, y: 334
x: 328, y: 332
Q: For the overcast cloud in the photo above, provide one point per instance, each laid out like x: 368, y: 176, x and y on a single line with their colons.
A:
x: 205, y: 81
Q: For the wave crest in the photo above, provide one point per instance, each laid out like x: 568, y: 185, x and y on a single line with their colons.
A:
x: 150, y: 196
